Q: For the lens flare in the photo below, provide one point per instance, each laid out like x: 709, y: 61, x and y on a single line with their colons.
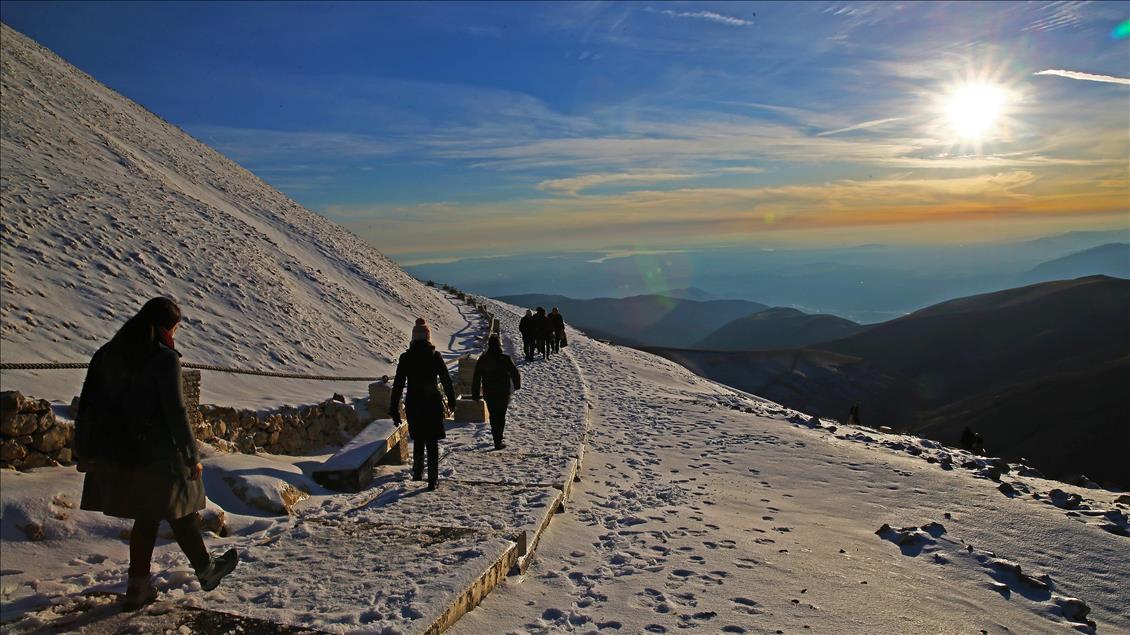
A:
x: 1122, y: 31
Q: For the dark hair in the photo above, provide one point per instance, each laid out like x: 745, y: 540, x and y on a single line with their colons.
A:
x: 494, y: 344
x: 132, y: 342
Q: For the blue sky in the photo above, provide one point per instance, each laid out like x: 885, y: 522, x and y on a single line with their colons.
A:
x: 501, y: 127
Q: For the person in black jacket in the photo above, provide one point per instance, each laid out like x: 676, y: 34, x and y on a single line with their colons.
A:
x: 420, y: 367
x: 539, y: 326
x: 496, y: 374
x: 525, y: 328
x: 134, y: 442
x: 556, y: 329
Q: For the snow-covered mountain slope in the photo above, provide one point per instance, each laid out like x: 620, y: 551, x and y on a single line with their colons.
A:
x: 105, y: 205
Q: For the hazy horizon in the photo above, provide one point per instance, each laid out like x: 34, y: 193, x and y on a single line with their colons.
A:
x: 864, y: 283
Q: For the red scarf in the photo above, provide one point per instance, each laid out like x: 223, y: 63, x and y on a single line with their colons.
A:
x: 166, y: 336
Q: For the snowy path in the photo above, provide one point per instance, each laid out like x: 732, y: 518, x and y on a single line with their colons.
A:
x: 393, y: 558
x: 694, y: 516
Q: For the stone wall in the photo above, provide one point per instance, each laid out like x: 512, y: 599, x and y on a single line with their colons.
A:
x: 30, y: 435
x: 285, y: 430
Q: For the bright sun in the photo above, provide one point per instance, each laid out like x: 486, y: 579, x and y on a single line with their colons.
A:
x: 974, y: 109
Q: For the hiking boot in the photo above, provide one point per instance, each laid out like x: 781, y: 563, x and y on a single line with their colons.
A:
x: 217, y: 568
x: 139, y: 592
x: 432, y: 486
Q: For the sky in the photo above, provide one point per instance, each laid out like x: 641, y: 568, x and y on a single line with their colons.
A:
x: 440, y: 129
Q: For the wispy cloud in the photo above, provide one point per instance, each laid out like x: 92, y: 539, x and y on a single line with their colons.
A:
x: 711, y: 16
x: 654, y: 144
x: 257, y: 144
x: 1055, y: 16
x: 740, y: 169
x: 700, y: 213
x: 860, y: 126
x: 574, y: 185
x: 1090, y: 77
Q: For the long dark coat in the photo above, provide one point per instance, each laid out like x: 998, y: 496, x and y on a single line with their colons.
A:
x: 556, y: 323
x: 524, y: 325
x: 539, y: 326
x: 495, y: 372
x: 420, y: 368
x: 132, y: 430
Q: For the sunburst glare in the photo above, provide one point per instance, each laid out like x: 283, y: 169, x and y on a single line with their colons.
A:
x: 977, y: 110
x: 974, y: 109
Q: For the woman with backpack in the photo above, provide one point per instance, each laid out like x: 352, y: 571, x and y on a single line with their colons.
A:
x: 497, y: 377
x: 134, y: 442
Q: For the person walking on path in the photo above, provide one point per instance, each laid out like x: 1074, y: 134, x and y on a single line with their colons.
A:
x: 525, y: 327
x: 420, y: 367
x: 556, y: 329
x: 539, y: 325
x: 134, y: 442
x: 496, y: 374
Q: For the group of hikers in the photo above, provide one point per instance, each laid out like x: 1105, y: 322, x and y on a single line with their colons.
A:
x: 542, y: 333
x: 422, y: 370
x: 134, y: 441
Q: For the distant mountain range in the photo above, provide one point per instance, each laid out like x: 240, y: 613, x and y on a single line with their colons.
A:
x: 778, y: 327
x: 1040, y: 371
x: 664, y: 320
x: 690, y: 293
x: 656, y: 320
x: 865, y: 283
x: 1112, y: 259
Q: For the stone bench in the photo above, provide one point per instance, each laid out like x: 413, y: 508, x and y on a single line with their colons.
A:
x: 470, y: 411
x: 464, y: 374
x: 351, y: 468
